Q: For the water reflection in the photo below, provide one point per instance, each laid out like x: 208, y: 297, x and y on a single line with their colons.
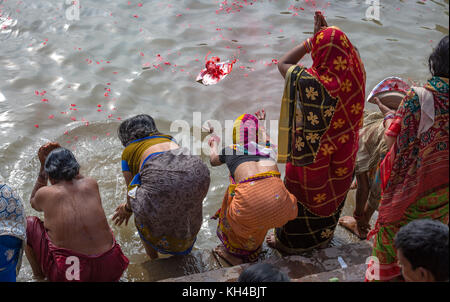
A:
x: 76, y: 62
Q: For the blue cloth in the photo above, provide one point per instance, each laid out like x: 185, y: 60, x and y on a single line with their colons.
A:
x: 136, y: 181
x: 10, y: 249
x: 162, y: 251
x: 125, y: 166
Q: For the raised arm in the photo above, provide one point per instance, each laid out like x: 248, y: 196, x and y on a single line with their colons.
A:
x: 291, y: 58
x: 389, y: 115
x: 298, y: 52
x: 213, y: 142
x: 42, y: 179
x: 261, y: 115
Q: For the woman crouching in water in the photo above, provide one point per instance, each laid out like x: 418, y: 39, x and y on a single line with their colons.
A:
x: 166, y: 187
x: 256, y: 199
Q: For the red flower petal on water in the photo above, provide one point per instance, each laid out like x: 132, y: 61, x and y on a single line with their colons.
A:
x: 66, y: 132
x: 73, y: 118
x: 141, y: 53
x: 140, y: 4
x: 36, y: 92
x: 136, y: 16
x: 37, y: 126
x: 99, y: 105
x: 51, y: 116
x: 73, y: 105
x: 44, y: 100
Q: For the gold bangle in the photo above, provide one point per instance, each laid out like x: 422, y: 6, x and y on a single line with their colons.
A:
x: 307, y: 45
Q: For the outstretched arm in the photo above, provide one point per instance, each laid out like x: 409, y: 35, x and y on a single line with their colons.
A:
x: 123, y: 212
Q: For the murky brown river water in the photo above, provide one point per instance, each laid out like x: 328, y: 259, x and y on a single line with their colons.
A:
x: 72, y: 81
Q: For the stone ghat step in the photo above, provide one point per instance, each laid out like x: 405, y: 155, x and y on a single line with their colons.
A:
x: 345, y: 262
x: 354, y: 273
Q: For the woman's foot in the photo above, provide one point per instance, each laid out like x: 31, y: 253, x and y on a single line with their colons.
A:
x: 351, y: 224
x: 222, y: 252
x: 272, y: 242
x: 354, y: 185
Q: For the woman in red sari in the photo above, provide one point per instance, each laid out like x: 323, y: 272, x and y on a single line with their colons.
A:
x: 321, y: 113
x: 414, y: 173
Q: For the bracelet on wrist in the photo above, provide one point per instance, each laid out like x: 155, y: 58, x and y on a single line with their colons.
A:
x: 307, y: 45
x: 390, y: 116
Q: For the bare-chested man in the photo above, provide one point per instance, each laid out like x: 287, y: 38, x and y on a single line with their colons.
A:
x: 75, y: 242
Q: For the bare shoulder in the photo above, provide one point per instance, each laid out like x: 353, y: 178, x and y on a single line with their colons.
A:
x: 45, y: 195
x: 47, y: 191
x: 89, y: 182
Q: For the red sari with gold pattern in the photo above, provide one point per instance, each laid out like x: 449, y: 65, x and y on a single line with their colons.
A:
x: 321, y: 114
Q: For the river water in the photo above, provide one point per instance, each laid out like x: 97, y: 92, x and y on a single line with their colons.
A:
x: 71, y: 78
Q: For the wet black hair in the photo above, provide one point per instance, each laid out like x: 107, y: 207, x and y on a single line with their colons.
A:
x: 263, y: 272
x: 136, y: 127
x: 424, y: 243
x: 61, y: 165
x: 438, y: 60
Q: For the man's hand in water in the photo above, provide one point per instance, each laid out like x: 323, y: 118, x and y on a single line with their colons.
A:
x: 121, y: 214
x: 45, y: 150
x: 319, y: 22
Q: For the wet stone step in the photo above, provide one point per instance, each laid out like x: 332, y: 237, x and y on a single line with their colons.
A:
x: 354, y: 273
x: 319, y: 261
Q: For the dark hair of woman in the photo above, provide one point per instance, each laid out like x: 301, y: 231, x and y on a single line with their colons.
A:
x: 61, y: 165
x: 438, y: 61
x: 136, y: 127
